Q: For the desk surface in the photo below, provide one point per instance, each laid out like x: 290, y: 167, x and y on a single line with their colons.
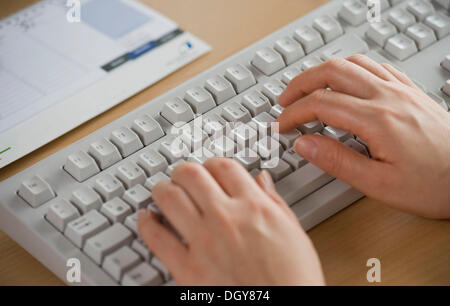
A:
x: 412, y: 250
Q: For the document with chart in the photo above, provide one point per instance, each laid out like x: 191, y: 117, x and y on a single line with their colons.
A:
x: 62, y: 62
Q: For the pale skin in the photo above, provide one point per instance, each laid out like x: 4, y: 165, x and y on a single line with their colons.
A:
x: 239, y: 231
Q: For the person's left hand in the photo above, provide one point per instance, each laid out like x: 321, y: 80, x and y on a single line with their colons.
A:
x: 237, y: 231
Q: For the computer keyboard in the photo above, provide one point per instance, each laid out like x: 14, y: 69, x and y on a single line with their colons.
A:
x: 82, y: 202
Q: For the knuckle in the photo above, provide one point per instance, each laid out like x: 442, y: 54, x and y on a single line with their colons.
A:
x: 222, y: 164
x: 187, y: 170
x: 335, y: 64
x: 358, y: 58
x: 334, y: 160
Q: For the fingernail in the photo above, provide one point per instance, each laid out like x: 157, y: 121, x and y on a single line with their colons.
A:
x: 143, y: 213
x: 267, y: 180
x: 306, y: 148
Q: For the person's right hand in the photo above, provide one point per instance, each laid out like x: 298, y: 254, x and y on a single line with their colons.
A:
x: 407, y: 132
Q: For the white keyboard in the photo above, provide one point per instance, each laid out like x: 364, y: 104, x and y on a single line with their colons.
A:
x: 82, y: 201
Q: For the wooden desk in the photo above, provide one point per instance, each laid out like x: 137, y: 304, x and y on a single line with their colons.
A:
x: 412, y: 250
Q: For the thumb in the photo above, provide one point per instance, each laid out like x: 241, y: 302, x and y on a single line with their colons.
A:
x: 340, y: 161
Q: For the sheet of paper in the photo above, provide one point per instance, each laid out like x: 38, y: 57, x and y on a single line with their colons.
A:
x: 45, y: 57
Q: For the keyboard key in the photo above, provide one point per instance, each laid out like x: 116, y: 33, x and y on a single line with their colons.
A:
x: 200, y: 100
x: 131, y: 222
x: 138, y: 197
x: 177, y: 112
x: 214, y: 125
x: 301, y: 183
x: 440, y: 24
x: 248, y: 158
x: 336, y: 133
x: 446, y: 88
x: 119, y: 262
x: 81, y: 166
x: 155, y: 179
x: 311, y: 127
x: 155, y: 262
x: 82, y: 228
x: 279, y: 171
x: 287, y: 139
x: 401, y: 19
x: 142, y: 275
x: 130, y: 174
x: 148, y: 129
x: 446, y: 63
x: 256, y: 103
x: 268, y: 148
x: 126, y: 141
x: 240, y: 77
x: 222, y: 147
x: 36, y: 191
x: 329, y: 27
x: 273, y: 90
x: 354, y: 12
x: 234, y: 112
x: 263, y: 125
x: 380, y: 32
x: 309, y: 38
x: 401, y: 46
x: 193, y: 137
x: 289, y: 75
x: 105, y: 153
x: 61, y: 213
x: 220, y: 88
x: 116, y: 210
x: 200, y: 156
x: 356, y: 146
x: 293, y: 159
x: 111, y: 239
x: 291, y: 50
x: 421, y: 9
x: 422, y: 35
x: 268, y: 61
x: 345, y: 47
x: 109, y: 187
x: 276, y: 110
x: 310, y: 62
x: 244, y: 136
x: 173, y: 149
x: 152, y: 162
x: 142, y: 250
x: 86, y: 199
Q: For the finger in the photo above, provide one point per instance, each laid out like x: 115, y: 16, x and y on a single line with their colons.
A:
x: 333, y: 108
x: 233, y: 178
x: 265, y: 181
x: 163, y: 243
x: 338, y: 74
x: 178, y: 208
x: 200, y: 185
x: 341, y: 162
x: 372, y: 66
x: 399, y: 75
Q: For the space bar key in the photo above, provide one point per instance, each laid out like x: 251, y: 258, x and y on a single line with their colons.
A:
x: 301, y: 183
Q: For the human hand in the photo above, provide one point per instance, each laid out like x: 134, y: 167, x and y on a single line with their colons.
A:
x: 407, y: 132
x: 237, y: 230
